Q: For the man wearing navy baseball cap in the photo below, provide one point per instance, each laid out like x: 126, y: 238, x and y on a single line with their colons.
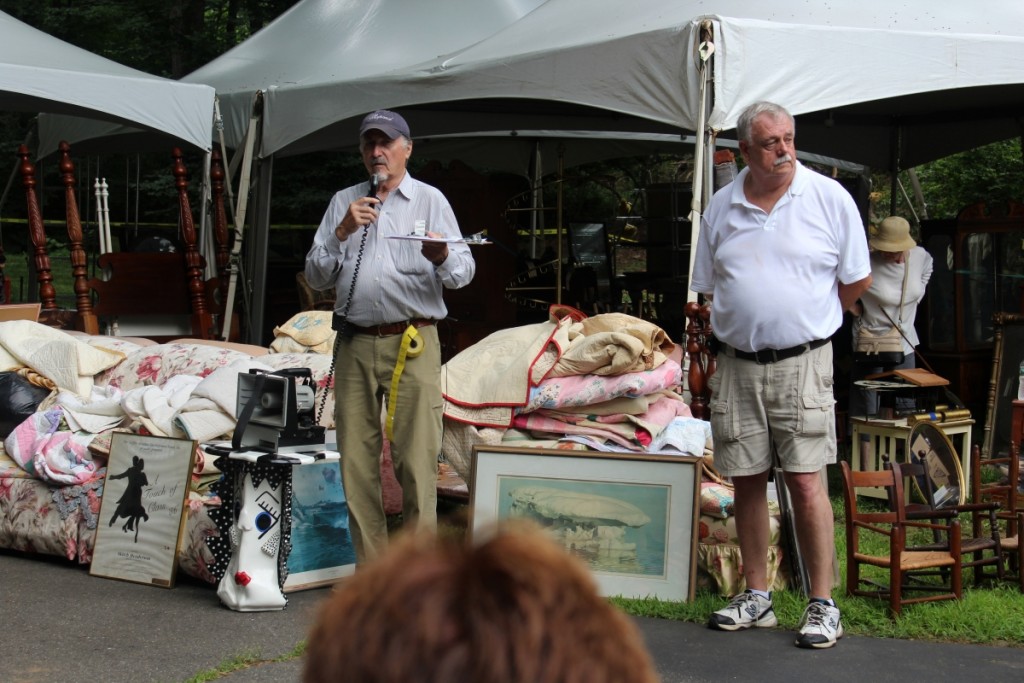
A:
x: 388, y: 299
x: 388, y: 122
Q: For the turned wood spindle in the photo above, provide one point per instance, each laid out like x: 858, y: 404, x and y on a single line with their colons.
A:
x: 79, y: 270
x: 37, y: 232
x: 202, y: 317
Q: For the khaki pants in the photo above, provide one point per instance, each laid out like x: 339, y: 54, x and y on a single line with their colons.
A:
x: 363, y: 372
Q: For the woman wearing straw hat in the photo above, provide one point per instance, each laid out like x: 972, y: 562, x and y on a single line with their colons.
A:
x: 900, y: 271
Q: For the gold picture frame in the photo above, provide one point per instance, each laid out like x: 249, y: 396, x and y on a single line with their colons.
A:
x: 143, y: 509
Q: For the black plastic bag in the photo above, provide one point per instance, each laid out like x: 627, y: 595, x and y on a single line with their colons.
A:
x: 19, y: 398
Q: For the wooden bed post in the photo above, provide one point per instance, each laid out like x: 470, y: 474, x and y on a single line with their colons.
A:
x: 702, y: 360
x: 220, y: 218
x: 202, y: 318
x: 37, y: 232
x: 695, y: 379
x: 709, y: 349
x: 87, y: 321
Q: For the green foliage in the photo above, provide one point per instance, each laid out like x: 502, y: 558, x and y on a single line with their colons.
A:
x: 991, y: 615
x: 993, y: 174
x: 163, y: 38
x: 304, y: 185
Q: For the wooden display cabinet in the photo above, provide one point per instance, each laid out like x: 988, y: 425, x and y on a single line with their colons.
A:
x: 979, y: 271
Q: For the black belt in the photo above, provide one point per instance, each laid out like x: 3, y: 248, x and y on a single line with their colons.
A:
x: 765, y: 356
x: 390, y: 329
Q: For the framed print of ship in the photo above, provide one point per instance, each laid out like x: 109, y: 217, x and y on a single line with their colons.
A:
x: 630, y: 517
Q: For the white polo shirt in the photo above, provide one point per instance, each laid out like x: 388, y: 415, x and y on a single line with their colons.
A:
x: 775, y: 276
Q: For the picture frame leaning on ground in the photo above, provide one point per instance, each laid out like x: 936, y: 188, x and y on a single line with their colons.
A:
x: 632, y: 518
x: 143, y: 509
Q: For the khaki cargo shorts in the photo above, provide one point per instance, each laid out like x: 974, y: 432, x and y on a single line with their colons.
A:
x: 789, y: 403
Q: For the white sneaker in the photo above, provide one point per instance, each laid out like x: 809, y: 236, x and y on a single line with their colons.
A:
x: 820, y: 627
x: 745, y: 611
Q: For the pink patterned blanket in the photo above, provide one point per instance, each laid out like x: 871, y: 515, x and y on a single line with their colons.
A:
x: 578, y: 391
x: 634, y: 432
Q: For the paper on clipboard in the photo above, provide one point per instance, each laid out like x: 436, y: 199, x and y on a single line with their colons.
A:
x: 478, y: 238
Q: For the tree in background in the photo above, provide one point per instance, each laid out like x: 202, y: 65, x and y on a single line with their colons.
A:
x: 993, y: 174
x: 169, y: 38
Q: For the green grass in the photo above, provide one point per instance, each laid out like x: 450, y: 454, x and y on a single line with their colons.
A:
x: 242, y: 661
x: 16, y: 269
x: 987, y: 615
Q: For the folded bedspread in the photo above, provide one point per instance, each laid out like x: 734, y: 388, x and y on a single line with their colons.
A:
x: 51, y: 481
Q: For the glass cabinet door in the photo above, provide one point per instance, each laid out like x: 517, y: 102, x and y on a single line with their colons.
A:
x: 940, y: 295
x: 976, y: 264
x: 977, y: 272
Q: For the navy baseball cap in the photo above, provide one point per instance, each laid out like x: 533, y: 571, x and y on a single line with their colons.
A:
x: 387, y: 122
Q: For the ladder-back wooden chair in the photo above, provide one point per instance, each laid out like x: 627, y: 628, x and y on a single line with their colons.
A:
x: 980, y: 544
x: 891, y: 528
x: 997, y: 479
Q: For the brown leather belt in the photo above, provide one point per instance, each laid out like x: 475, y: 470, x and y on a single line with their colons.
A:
x: 390, y: 329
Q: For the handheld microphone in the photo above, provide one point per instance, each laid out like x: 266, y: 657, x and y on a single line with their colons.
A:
x: 374, y: 184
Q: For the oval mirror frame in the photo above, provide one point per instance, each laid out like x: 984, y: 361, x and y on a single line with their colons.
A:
x: 929, y: 444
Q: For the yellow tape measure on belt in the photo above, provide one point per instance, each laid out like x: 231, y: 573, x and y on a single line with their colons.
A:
x: 412, y: 346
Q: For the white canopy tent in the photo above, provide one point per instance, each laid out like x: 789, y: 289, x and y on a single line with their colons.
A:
x: 40, y: 73
x: 888, y: 83
x: 342, y: 41
x: 634, y: 67
x: 870, y: 72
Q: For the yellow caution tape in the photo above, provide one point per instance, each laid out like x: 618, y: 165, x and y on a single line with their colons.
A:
x: 412, y: 346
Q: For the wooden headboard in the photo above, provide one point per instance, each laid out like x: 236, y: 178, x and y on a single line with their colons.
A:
x: 162, y: 283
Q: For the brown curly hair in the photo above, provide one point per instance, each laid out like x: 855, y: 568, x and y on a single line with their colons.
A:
x: 515, y: 608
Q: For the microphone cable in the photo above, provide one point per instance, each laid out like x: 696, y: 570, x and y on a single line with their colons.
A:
x: 340, y: 322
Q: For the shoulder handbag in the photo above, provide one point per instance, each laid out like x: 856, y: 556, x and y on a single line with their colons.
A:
x: 885, y: 348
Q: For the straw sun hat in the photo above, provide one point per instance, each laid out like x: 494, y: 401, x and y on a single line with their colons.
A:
x: 893, y: 234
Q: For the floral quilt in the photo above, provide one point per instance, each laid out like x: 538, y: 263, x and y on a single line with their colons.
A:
x: 59, y: 518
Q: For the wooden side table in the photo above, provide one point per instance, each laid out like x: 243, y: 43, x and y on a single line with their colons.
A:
x: 889, y: 437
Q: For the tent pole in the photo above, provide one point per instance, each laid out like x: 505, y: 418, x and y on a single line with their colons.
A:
x: 894, y: 167
x: 239, y: 214
x: 218, y: 124
x: 255, y: 292
x: 205, y: 234
x: 537, y: 198
x: 705, y: 50
x: 138, y: 183
x: 915, y: 183
x: 910, y: 204
x: 559, y: 230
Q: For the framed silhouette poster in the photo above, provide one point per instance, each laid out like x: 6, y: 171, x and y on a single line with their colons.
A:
x: 143, y: 508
